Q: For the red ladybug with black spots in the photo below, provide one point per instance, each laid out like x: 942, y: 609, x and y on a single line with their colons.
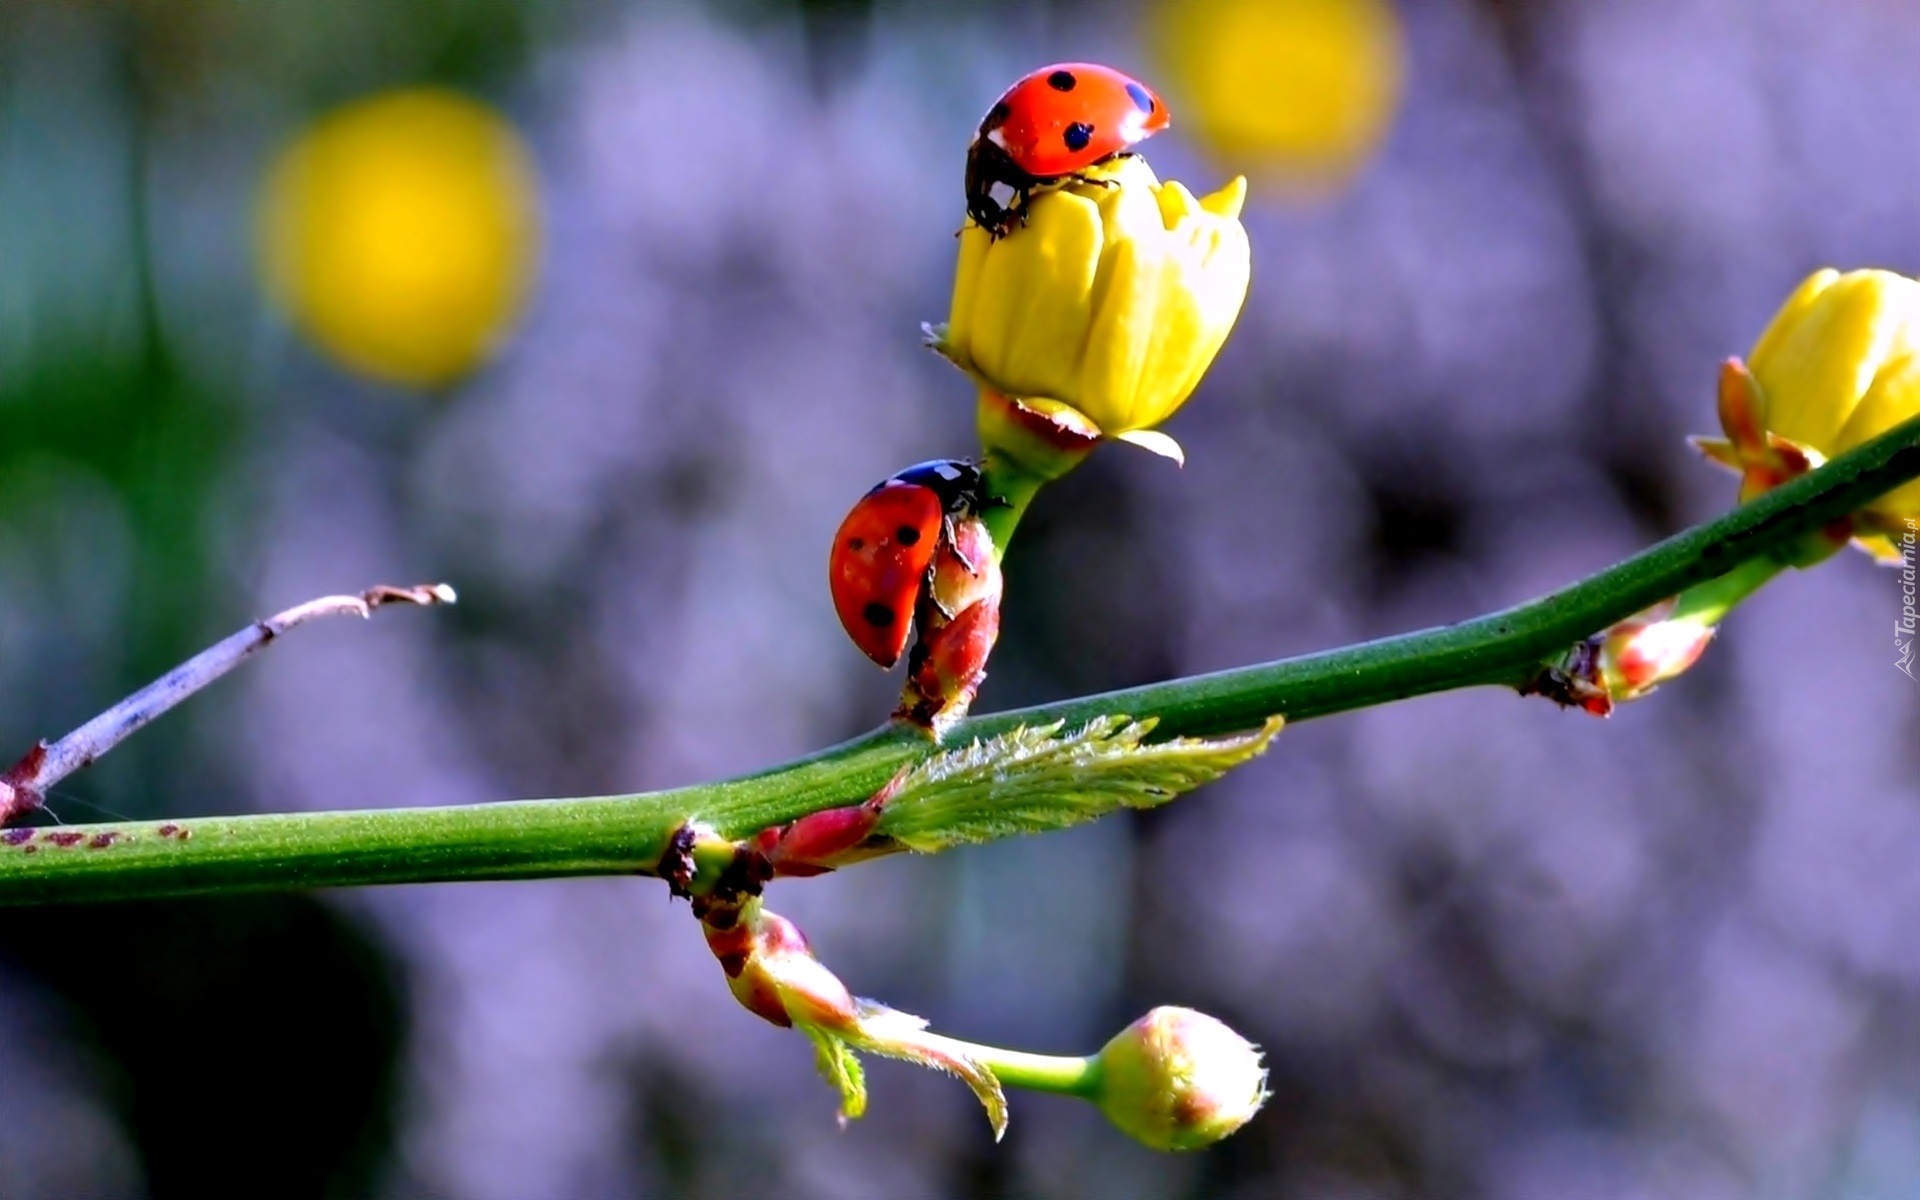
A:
x: 1052, y: 124
x: 885, y: 548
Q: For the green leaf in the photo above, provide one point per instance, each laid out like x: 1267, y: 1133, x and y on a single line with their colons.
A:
x: 840, y: 1067
x: 1036, y: 778
x: 895, y: 1034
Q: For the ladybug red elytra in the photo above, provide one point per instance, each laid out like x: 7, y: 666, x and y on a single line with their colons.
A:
x: 1053, y: 123
x: 885, y: 548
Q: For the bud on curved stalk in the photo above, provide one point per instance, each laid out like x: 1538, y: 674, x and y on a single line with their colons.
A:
x: 1839, y: 365
x: 1174, y: 1080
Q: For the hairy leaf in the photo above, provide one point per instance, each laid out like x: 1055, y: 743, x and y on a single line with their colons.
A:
x: 840, y: 1067
x: 1037, y: 778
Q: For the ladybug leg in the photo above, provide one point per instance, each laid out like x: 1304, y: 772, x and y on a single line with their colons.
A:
x: 1000, y: 220
x: 1093, y: 180
x: 1022, y: 201
x: 1096, y: 181
x: 927, y: 589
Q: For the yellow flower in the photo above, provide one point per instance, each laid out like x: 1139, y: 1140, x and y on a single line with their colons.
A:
x: 1104, y: 311
x: 399, y: 233
x: 1839, y: 365
x: 1295, y: 92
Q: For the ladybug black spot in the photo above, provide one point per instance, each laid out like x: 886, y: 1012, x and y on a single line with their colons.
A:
x: 856, y: 543
x: 1061, y: 81
x: 1142, y: 99
x: 907, y: 535
x: 1077, y: 136
x: 996, y: 117
x: 879, y: 615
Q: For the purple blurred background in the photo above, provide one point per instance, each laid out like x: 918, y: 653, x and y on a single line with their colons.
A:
x: 1491, y: 948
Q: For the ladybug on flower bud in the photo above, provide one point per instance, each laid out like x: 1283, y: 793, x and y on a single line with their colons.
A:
x: 1053, y: 124
x: 884, y: 551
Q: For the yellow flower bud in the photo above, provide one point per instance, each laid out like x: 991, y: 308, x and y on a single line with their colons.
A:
x: 399, y: 233
x: 1839, y: 365
x: 1112, y: 300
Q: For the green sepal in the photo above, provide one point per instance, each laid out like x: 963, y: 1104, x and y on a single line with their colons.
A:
x: 1036, y: 779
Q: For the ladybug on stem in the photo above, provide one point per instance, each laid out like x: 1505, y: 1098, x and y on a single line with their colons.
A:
x: 1052, y: 124
x: 885, y: 549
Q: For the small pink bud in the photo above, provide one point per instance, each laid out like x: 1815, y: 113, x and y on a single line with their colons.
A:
x: 958, y: 621
x: 813, y: 844
x: 964, y: 570
x: 772, y: 972
x: 1640, y: 653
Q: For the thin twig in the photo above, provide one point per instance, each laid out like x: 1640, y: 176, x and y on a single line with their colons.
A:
x: 24, y: 787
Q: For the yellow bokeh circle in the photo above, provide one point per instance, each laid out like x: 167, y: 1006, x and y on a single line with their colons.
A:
x: 1292, y: 92
x: 400, y: 233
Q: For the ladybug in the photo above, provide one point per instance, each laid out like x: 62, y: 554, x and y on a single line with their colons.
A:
x: 1056, y: 122
x: 885, y: 549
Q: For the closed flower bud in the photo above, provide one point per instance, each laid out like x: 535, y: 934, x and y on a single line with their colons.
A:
x: 1111, y: 302
x: 1839, y: 365
x: 1177, y: 1079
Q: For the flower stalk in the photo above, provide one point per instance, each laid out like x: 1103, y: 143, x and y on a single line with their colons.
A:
x: 1027, y: 446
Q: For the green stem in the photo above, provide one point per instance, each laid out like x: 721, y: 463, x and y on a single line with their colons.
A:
x: 521, y: 839
x: 1059, y: 1074
x: 625, y: 834
x: 1710, y: 602
x: 1006, y: 481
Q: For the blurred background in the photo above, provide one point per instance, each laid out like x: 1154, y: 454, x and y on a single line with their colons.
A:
x: 606, y: 313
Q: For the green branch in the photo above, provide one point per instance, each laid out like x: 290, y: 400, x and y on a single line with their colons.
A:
x: 633, y: 834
